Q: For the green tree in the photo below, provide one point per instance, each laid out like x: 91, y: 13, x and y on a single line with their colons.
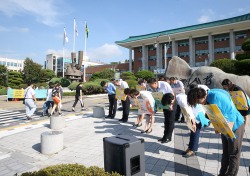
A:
x: 31, y: 71
x: 145, y: 74
x: 246, y: 45
x: 105, y: 74
x: 46, y: 75
x: 226, y: 65
x: 15, y: 79
x: 128, y: 75
x: 3, y: 75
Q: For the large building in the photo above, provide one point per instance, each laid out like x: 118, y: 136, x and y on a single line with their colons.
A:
x: 12, y: 64
x: 198, y: 45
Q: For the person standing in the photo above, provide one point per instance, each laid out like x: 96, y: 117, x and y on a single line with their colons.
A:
x: 165, y: 88
x: 229, y: 86
x: 230, y: 160
x: 49, y: 100
x: 178, y: 87
x: 110, y: 89
x: 57, y: 100
x: 125, y: 103
x: 78, y: 96
x: 30, y: 99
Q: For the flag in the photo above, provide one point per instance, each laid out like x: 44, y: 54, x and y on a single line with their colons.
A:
x: 75, y: 28
x: 65, y: 37
x: 87, y: 31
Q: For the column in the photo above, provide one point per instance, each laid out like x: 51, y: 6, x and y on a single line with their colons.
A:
x: 158, y: 55
x: 232, y: 44
x: 130, y: 59
x: 210, y: 49
x: 174, y: 48
x: 143, y: 60
x: 191, y: 52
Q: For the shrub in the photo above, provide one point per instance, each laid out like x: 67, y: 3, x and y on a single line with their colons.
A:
x: 73, y: 85
x: 3, y: 91
x: 55, y: 80
x: 104, y: 74
x: 128, y: 75
x: 226, y: 65
x: 242, y: 67
x: 132, y: 83
x: 145, y: 74
x: 69, y: 93
x: 242, y: 56
x: 92, y: 88
x: 70, y: 169
x: 246, y: 45
x: 98, y: 81
x: 65, y: 82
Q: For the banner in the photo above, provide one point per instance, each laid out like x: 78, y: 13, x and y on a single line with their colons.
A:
x: 19, y: 93
x: 218, y: 120
x: 144, y: 106
x: 188, y: 118
x: 239, y: 100
x: 139, y: 88
x: 119, y: 94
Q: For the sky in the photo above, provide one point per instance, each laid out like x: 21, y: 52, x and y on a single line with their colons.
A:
x: 34, y: 28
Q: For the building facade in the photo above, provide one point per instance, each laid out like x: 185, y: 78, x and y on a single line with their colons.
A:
x: 198, y: 45
x: 12, y: 64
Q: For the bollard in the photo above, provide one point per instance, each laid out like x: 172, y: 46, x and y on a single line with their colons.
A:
x: 51, y: 142
x: 57, y: 123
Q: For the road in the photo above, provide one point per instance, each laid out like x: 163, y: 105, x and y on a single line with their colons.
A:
x: 12, y: 113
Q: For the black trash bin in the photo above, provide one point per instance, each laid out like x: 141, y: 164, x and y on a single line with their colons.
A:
x: 124, y: 154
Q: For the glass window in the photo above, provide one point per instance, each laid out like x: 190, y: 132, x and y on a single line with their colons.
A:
x: 222, y: 37
x: 239, y: 35
x: 152, y: 57
x: 183, y: 43
x: 201, y: 52
x: 221, y: 50
x: 238, y: 48
x: 184, y: 54
x: 201, y: 40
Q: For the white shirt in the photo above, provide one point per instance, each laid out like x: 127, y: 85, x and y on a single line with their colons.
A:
x: 203, y: 87
x: 123, y: 84
x: 182, y: 102
x: 148, y: 95
x: 164, y: 87
x: 30, y: 92
x: 49, y: 95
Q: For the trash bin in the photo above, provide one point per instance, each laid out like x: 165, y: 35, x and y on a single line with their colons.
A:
x: 124, y: 154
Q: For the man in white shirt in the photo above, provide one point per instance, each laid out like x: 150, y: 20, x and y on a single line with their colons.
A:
x: 125, y: 103
x: 30, y: 99
x: 162, y: 86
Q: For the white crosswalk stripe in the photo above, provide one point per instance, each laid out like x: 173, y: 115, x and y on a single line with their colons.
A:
x: 7, y: 117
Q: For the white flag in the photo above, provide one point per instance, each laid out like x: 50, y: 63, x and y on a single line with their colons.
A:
x: 75, y: 28
x: 65, y: 37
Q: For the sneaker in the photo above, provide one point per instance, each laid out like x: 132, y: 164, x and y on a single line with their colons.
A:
x: 60, y: 113
x: 183, y: 153
x: 73, y: 109
x: 190, y: 153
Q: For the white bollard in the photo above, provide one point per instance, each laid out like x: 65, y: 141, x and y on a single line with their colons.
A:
x: 51, y: 142
x: 98, y: 112
x: 57, y: 123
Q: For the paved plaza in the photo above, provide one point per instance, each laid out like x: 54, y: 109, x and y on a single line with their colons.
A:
x: 83, y: 144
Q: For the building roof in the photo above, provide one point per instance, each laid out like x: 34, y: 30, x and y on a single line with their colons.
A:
x: 229, y: 21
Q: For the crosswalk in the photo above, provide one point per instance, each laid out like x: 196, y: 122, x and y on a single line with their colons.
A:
x: 9, y: 117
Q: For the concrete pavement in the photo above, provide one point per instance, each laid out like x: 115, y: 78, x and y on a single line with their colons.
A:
x: 83, y: 144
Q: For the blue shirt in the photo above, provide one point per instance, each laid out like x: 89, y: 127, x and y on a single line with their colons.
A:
x: 110, y: 89
x: 224, y: 102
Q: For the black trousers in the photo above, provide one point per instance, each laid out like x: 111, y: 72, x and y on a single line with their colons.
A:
x: 112, y: 105
x: 125, y: 108
x: 230, y: 160
x: 178, y: 113
x: 169, y: 119
x: 77, y: 98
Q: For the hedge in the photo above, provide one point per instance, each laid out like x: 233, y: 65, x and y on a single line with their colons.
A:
x: 226, y: 65
x: 242, y: 56
x: 3, y: 91
x: 246, y: 45
x: 70, y: 170
x: 243, y: 67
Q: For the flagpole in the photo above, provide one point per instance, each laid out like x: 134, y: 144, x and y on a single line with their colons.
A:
x: 74, y: 35
x: 85, y: 50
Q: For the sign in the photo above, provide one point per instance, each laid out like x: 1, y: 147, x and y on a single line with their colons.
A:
x: 188, y: 118
x: 158, y: 96
x: 159, y: 71
x: 218, y: 120
x: 19, y: 93
x: 239, y: 100
x: 139, y: 88
x: 144, y: 106
x: 119, y: 94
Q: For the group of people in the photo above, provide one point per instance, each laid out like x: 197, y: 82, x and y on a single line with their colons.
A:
x: 177, y: 101
x: 54, y: 97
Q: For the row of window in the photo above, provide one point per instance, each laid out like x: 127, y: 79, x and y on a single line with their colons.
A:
x: 11, y: 64
x: 222, y: 50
